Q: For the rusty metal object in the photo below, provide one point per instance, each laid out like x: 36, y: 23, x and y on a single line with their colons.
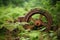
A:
x: 38, y: 22
x: 20, y: 19
x: 42, y: 12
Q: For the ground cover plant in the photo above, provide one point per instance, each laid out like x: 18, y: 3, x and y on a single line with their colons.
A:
x: 10, y: 10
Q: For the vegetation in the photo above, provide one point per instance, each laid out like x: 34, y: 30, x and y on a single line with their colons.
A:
x: 12, y: 9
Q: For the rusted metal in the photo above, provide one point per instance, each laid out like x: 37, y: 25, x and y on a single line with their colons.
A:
x: 39, y: 22
x: 20, y: 19
x: 42, y: 12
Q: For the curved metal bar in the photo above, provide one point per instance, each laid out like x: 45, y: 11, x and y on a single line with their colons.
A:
x: 42, y: 12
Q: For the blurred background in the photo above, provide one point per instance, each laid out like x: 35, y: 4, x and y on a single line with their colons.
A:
x: 12, y: 9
